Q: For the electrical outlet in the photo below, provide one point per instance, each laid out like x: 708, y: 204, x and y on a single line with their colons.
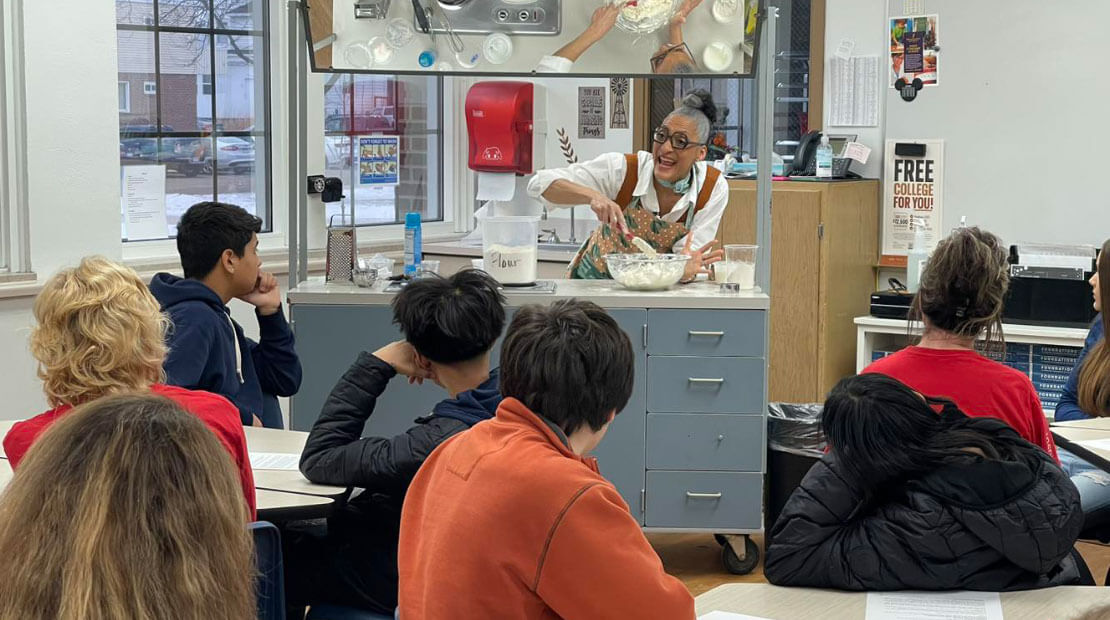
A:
x: 316, y: 184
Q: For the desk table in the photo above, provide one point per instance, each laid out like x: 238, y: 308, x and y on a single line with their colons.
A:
x: 279, y: 506
x: 289, y: 442
x: 1095, y: 424
x: 1068, y: 437
x: 787, y: 603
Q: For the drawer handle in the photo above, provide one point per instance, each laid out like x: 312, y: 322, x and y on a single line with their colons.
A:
x: 717, y: 381
x: 694, y: 334
x: 692, y: 495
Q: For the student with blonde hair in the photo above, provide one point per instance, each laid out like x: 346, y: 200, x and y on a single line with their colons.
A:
x: 100, y: 332
x: 126, y: 508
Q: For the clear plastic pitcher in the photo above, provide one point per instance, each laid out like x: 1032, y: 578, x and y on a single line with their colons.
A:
x: 509, y: 249
x: 738, y: 267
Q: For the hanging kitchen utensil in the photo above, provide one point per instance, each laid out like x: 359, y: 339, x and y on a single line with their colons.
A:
x: 341, y: 250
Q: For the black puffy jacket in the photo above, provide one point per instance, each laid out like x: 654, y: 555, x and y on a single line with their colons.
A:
x: 336, y: 453
x: 979, y: 524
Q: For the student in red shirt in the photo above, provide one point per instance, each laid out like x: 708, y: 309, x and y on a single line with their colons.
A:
x: 99, y: 332
x: 963, y: 288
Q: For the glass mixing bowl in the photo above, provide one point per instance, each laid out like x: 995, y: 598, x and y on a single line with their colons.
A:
x: 640, y: 273
x: 647, y: 16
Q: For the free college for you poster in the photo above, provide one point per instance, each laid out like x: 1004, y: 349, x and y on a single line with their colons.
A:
x: 913, y: 195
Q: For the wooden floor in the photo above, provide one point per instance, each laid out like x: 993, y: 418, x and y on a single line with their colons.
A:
x: 696, y: 560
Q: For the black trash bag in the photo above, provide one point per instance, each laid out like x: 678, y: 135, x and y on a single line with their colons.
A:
x: 796, y: 428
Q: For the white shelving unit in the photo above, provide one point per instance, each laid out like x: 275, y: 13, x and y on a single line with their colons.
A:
x: 874, y: 334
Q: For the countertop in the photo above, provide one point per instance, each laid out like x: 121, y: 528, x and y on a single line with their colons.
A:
x: 474, y: 250
x: 605, y: 293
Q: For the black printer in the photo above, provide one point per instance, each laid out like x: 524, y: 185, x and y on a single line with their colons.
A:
x: 891, y: 304
x: 1048, y: 286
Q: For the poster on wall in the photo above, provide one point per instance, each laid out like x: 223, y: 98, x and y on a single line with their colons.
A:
x: 379, y: 160
x: 618, y: 102
x: 143, y: 191
x: 914, y: 49
x: 913, y: 195
x: 591, y: 113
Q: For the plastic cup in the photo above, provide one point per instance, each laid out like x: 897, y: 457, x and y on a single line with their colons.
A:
x: 738, y: 267
x: 399, y: 33
x: 498, y: 48
x: 717, y: 56
x: 429, y: 267
x: 358, y: 56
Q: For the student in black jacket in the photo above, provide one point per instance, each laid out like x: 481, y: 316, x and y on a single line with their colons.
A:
x: 909, y: 499
x: 450, y: 326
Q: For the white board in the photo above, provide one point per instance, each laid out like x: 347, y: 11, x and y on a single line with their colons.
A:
x: 1023, y: 112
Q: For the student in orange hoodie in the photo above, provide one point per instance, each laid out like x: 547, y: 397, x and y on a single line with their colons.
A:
x: 510, y: 519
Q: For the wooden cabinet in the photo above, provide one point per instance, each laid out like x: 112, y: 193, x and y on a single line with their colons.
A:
x: 824, y: 245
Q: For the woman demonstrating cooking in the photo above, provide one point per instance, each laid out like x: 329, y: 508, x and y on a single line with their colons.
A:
x: 670, y: 197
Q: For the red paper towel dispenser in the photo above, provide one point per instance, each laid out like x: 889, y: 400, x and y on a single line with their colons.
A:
x: 501, y: 122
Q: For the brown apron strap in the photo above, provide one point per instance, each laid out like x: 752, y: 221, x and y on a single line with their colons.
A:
x: 631, y: 179
x: 711, y: 176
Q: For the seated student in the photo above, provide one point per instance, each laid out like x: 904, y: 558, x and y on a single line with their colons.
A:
x: 907, y: 499
x: 1086, y: 395
x: 99, y: 332
x: 126, y: 508
x: 962, y: 292
x: 218, y: 244
x: 510, y: 519
x: 449, y: 325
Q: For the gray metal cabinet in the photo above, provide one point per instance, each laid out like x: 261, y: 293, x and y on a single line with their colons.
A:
x: 687, y: 453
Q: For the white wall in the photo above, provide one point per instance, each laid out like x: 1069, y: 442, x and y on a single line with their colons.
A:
x: 72, y: 131
x: 72, y: 164
x: 861, y: 21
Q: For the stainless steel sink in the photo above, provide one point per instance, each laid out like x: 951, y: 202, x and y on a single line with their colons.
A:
x: 562, y: 246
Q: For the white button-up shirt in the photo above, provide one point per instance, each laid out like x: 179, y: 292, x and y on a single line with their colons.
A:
x: 606, y: 175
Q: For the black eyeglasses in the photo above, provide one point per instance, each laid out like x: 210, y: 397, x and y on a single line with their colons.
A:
x: 658, y: 59
x: 679, y: 140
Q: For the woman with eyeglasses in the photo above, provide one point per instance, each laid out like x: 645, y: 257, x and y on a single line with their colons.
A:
x: 669, y: 197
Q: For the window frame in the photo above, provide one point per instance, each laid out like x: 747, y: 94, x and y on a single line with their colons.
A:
x: 262, y: 31
x: 442, y: 93
x: 15, y: 255
x: 125, y: 99
x: 150, y: 88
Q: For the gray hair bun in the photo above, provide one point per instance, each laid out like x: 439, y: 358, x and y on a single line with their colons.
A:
x: 702, y: 101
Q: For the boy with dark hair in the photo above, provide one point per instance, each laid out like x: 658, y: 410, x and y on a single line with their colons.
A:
x: 450, y: 326
x: 511, y: 520
x: 218, y: 244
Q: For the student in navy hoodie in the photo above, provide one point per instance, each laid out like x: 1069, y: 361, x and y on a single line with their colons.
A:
x: 218, y: 244
x: 450, y: 326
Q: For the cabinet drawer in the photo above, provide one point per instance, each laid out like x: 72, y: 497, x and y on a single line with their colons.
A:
x: 705, y: 385
x: 738, y: 333
x: 705, y: 442
x: 704, y: 500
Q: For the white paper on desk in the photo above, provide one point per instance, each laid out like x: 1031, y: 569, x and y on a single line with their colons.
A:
x: 275, y: 460
x: 728, y: 615
x: 499, y: 186
x: 143, y: 191
x: 934, y: 606
x: 1095, y: 444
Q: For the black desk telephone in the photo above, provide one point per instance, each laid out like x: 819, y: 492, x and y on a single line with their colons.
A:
x: 805, y: 157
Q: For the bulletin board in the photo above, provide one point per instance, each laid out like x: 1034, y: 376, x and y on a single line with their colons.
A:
x: 1022, y: 108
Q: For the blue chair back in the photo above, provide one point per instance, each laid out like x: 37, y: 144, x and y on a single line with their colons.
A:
x: 270, y: 583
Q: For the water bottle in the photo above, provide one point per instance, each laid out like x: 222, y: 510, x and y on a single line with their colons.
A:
x: 413, y: 251
x: 916, y: 259
x: 824, y: 159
